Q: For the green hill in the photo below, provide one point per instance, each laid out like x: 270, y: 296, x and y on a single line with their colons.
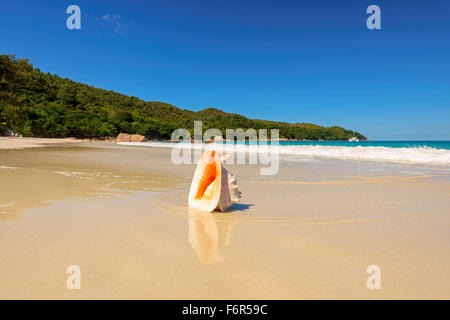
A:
x: 39, y: 104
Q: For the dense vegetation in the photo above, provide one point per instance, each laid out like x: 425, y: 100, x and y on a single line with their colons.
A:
x: 39, y: 104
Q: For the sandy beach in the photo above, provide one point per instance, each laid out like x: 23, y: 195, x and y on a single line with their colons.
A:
x: 22, y: 143
x: 309, y: 232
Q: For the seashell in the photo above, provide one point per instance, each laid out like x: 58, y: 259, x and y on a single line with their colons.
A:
x: 213, y: 187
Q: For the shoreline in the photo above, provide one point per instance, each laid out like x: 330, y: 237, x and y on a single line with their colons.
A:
x: 429, y: 154
x: 32, y: 142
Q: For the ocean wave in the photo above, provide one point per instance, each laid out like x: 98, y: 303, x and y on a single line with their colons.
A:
x: 414, y: 155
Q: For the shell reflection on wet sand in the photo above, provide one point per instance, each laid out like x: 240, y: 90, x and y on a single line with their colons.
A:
x: 207, y: 235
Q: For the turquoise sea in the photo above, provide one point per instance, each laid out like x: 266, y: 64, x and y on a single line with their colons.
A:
x: 387, y: 144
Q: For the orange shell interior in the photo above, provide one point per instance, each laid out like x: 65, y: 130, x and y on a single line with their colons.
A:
x: 210, y: 178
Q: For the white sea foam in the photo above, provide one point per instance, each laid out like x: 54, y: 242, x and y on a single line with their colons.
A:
x: 8, y: 167
x: 86, y: 175
x: 415, y: 155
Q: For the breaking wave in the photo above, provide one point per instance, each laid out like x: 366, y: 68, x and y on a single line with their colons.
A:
x: 413, y: 155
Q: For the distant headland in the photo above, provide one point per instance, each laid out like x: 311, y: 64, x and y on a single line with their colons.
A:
x: 37, y: 104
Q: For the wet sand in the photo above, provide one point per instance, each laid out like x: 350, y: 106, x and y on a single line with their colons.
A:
x: 120, y: 213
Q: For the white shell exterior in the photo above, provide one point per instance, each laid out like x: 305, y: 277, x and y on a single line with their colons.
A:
x: 229, y: 192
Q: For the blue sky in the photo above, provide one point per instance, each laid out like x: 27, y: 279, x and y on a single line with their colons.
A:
x: 297, y: 61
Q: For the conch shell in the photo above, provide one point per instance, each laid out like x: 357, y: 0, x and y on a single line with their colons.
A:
x: 213, y: 187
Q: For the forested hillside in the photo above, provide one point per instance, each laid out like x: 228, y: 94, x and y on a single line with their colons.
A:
x: 39, y: 104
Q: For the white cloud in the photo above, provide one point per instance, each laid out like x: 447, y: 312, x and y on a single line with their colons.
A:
x: 118, y: 30
x: 114, y: 21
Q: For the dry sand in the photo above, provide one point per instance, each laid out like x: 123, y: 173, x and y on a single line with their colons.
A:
x: 309, y: 232
x: 22, y: 143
